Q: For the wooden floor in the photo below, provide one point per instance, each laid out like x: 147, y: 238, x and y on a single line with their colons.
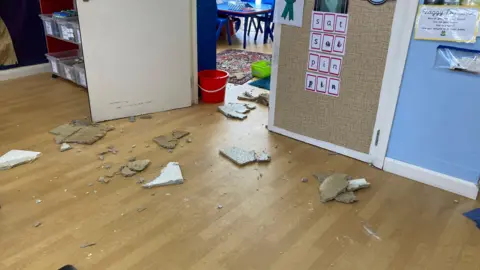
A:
x: 269, y: 219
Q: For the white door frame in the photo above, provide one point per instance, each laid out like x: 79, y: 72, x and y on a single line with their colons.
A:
x: 403, y: 20
x: 194, y: 79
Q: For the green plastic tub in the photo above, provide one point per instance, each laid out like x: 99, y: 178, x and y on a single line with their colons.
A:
x: 261, y: 69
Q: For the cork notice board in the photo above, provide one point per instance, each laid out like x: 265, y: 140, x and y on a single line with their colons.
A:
x: 347, y: 120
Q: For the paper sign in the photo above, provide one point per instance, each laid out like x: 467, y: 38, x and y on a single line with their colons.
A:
x: 324, y: 65
x: 327, y: 43
x: 333, y: 86
x: 335, y: 66
x: 315, y: 41
x: 339, y: 45
x: 313, y: 61
x: 322, y: 84
x: 54, y: 67
x: 317, y: 21
x: 447, y: 23
x: 329, y: 22
x: 289, y: 12
x: 48, y: 28
x: 310, y: 81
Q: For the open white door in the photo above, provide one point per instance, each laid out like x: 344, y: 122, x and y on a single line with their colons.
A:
x: 138, y: 55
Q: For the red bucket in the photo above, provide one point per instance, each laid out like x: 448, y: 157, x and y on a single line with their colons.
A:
x: 213, y: 84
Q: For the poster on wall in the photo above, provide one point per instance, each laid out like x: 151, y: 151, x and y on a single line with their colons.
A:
x: 328, y: 36
x: 289, y: 12
x: 447, y: 23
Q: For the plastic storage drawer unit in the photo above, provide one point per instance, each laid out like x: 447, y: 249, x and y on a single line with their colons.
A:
x: 49, y: 25
x: 56, y: 58
x: 81, y: 75
x: 67, y: 28
x: 68, y: 69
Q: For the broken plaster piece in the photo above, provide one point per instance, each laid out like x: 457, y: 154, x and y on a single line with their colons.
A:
x: 263, y: 157
x: 247, y: 96
x: 37, y: 224
x: 17, y: 157
x: 235, y: 110
x: 346, y: 197
x: 65, y: 147
x: 170, y: 175
x: 357, y: 184
x: 239, y: 156
x: 166, y: 141
x: 178, y: 134
x: 138, y: 165
x: 125, y: 171
x: 332, y: 186
x: 87, y: 245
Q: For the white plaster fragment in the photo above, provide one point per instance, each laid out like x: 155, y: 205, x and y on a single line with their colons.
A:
x: 17, y: 157
x: 357, y: 184
x: 239, y: 156
x: 65, y: 147
x: 170, y: 175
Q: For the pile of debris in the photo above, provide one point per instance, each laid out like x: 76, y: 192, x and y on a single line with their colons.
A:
x: 339, y: 187
x: 243, y: 157
x: 81, y: 132
x: 260, y: 99
x: 236, y: 110
x: 170, y: 140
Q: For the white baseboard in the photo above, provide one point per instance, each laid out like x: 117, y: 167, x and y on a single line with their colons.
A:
x: 431, y: 178
x: 326, y: 145
x: 24, y: 71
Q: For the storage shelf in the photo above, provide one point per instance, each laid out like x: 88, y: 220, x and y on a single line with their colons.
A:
x: 66, y: 40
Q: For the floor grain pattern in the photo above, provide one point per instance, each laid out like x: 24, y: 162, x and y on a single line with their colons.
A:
x: 269, y: 220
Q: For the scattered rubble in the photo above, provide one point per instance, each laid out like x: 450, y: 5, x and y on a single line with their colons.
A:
x: 65, y: 147
x: 243, y: 157
x: 239, y: 156
x: 304, y: 180
x: 235, y: 110
x: 17, y: 157
x: 339, y: 187
x: 88, y: 245
x: 102, y: 180
x: 332, y: 186
x: 262, y: 157
x: 170, y: 175
x: 138, y: 165
x: 260, y: 99
x: 170, y: 141
x: 356, y: 184
x: 37, y: 224
x: 125, y: 171
x: 80, y: 132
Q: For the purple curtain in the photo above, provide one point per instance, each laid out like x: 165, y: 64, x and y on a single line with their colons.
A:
x: 26, y: 30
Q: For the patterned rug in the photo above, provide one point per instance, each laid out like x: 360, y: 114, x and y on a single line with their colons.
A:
x: 238, y: 64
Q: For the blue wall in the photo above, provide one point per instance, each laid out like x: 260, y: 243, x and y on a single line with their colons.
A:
x: 437, y: 120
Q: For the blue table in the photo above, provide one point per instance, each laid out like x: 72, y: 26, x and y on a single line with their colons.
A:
x: 223, y: 9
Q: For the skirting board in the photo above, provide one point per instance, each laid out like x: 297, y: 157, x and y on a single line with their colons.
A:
x: 326, y: 145
x: 24, y: 71
x: 431, y: 178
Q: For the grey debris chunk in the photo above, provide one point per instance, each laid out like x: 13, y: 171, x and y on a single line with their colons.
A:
x: 320, y: 177
x: 141, y: 209
x: 247, y: 96
x: 263, y: 157
x: 125, y: 171
x: 239, y: 156
x: 65, y: 147
x: 37, y: 201
x: 170, y: 175
x: 332, y: 187
x: 138, y: 165
x: 166, y: 141
x: 357, y: 184
x: 15, y: 158
x: 132, y: 159
x: 235, y: 110
x: 251, y: 106
x: 37, y: 224
x: 304, y: 180
x: 189, y: 140
x: 346, y: 197
x: 141, y: 180
x: 178, y: 134
x: 88, y: 245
